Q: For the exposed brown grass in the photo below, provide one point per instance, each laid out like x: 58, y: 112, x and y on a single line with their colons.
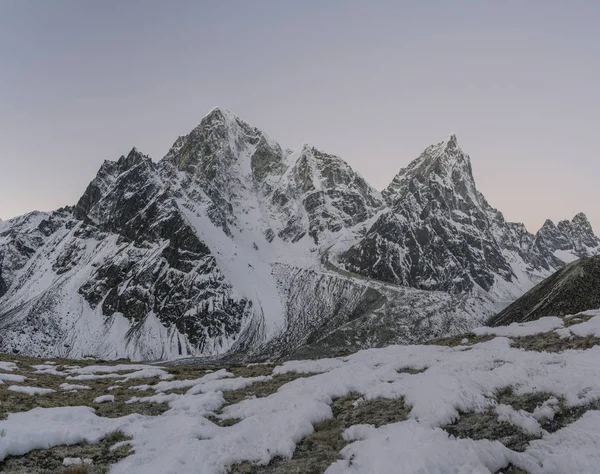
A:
x: 410, y: 371
x: 552, y: 342
x: 485, y: 425
x: 47, y: 461
x: 577, y: 319
x: 77, y: 469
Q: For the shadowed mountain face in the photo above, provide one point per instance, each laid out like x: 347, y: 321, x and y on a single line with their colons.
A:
x: 572, y: 289
x: 232, y: 246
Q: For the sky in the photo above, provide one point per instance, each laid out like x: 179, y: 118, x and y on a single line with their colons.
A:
x: 374, y: 82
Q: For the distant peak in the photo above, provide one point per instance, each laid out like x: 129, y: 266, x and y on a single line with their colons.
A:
x: 445, y: 160
x: 580, y: 217
x: 221, y: 114
x: 451, y: 141
x: 220, y: 111
x: 307, y: 148
x: 445, y: 149
x: 135, y: 155
x: 222, y: 117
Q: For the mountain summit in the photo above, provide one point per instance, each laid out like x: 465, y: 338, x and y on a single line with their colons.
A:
x: 444, y: 163
x: 232, y: 247
x: 440, y: 233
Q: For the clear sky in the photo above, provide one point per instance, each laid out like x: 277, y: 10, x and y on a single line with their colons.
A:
x: 375, y: 82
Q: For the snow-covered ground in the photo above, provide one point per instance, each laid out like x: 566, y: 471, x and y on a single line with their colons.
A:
x: 201, y: 432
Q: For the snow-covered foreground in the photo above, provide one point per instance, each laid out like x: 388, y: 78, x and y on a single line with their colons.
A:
x: 444, y: 383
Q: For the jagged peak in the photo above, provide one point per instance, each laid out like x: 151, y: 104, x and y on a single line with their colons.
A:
x: 447, y: 146
x: 222, y: 112
x: 307, y: 148
x: 134, y: 157
x: 450, y: 142
x: 548, y: 223
x: 135, y: 152
x: 446, y: 160
x: 439, y: 158
x: 221, y: 118
x: 230, y: 124
x: 580, y: 218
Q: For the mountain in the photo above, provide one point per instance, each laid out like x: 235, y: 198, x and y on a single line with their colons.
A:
x: 571, y: 290
x: 439, y: 233
x: 567, y: 241
x: 232, y: 247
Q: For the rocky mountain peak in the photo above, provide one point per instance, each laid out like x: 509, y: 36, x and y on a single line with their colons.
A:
x: 569, y: 239
x: 443, y: 166
x: 448, y: 146
x: 548, y: 224
x: 223, y: 121
x: 581, y: 221
x: 106, y: 178
x: 133, y: 158
x: 580, y: 230
x: 451, y: 142
x: 222, y: 141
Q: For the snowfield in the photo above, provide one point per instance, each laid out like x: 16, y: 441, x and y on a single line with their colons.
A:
x: 204, y: 429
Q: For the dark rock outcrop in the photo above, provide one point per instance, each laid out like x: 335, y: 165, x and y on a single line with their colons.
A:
x: 572, y: 289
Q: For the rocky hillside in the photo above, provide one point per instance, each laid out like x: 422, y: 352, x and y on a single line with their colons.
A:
x: 572, y: 289
x: 232, y: 246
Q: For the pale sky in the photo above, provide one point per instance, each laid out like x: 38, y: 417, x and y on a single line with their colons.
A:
x: 375, y: 82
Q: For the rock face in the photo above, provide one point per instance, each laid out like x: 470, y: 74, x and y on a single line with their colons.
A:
x: 439, y: 233
x: 570, y: 290
x: 567, y: 241
x: 231, y: 246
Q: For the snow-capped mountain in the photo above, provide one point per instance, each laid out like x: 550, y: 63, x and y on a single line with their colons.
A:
x: 569, y: 240
x: 439, y: 233
x: 231, y: 245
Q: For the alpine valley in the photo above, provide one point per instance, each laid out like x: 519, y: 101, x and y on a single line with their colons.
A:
x: 231, y: 247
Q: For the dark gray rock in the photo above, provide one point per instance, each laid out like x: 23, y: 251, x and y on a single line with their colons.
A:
x: 572, y: 289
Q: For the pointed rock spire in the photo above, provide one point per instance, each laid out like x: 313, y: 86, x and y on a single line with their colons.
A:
x: 443, y: 162
x: 451, y: 142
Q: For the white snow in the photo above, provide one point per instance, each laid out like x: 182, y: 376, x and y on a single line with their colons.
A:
x: 587, y: 328
x: 73, y: 461
x: 42, y: 428
x: 70, y: 386
x: 409, y: 447
x: 104, y: 399
x: 47, y: 369
x: 542, y: 325
x: 8, y: 366
x: 110, y: 369
x: 455, y: 379
x: 11, y: 377
x: 520, y: 418
x: 95, y: 372
x: 547, y: 410
x: 30, y: 390
x: 566, y: 256
x: 573, y: 449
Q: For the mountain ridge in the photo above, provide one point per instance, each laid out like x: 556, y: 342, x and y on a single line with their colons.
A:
x: 219, y: 248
